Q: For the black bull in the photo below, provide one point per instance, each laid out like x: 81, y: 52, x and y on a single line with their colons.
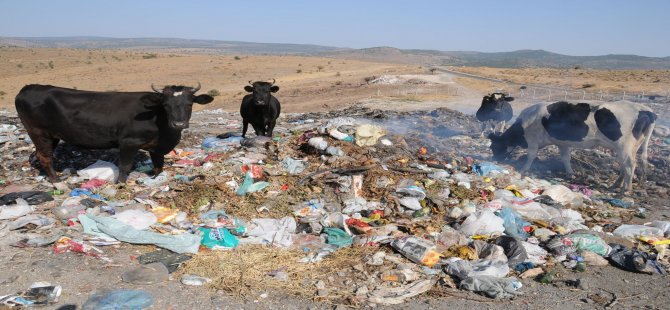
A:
x: 130, y: 121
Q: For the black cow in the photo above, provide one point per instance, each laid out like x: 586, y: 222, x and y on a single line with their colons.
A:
x: 152, y: 121
x: 495, y: 109
x: 623, y: 127
x: 260, y: 108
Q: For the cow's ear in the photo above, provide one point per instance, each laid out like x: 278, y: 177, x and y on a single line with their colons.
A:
x: 152, y: 100
x: 509, y: 98
x: 274, y: 88
x: 248, y: 88
x: 203, y: 99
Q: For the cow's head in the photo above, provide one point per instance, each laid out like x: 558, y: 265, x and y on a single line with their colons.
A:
x: 262, y: 92
x: 499, y: 146
x: 177, y: 101
x: 495, y: 97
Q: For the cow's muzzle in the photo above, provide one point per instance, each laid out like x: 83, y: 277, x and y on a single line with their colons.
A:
x: 179, y: 125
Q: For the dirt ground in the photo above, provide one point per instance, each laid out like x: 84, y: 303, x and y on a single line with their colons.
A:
x: 337, y: 85
x: 657, y: 81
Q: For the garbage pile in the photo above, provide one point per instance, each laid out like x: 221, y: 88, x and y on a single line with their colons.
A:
x: 354, y: 207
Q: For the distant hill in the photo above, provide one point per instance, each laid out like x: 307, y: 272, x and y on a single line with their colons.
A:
x: 515, y: 59
x: 169, y: 44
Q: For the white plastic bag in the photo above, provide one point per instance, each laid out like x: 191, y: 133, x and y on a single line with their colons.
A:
x: 100, y: 170
x: 632, y: 231
x: 138, y: 219
x: 20, y: 209
x: 483, y: 222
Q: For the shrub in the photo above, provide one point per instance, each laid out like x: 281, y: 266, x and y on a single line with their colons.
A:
x: 588, y: 85
x: 214, y: 92
x: 51, y: 64
x: 237, y: 58
x: 19, y: 66
x: 149, y: 56
x: 319, y: 68
x: 298, y: 71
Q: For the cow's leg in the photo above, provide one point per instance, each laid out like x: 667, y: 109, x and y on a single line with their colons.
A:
x: 158, y: 160
x: 257, y: 129
x: 629, y: 168
x: 532, y: 154
x: 271, y: 127
x: 565, y: 159
x: 643, y: 157
x: 127, y: 155
x: 44, y: 148
x: 245, y: 125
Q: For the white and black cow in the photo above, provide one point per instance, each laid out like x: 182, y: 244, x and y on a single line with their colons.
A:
x: 620, y: 126
x: 495, y: 110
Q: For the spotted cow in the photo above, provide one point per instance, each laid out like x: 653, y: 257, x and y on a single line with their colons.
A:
x: 621, y: 126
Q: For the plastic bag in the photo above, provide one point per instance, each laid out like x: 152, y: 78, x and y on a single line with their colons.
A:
x: 486, y: 168
x: 513, y: 223
x: 31, y: 197
x: 367, y: 135
x: 294, y: 166
x: 634, y: 260
x: 248, y: 186
x: 569, y: 244
x: 633, y: 231
x: 662, y: 225
x: 102, y: 170
x: 138, y: 219
x: 184, y: 243
x: 514, y: 250
x: 14, y: 211
x: 218, y: 238
x: 562, y: 194
x: 420, y: 251
x: 119, y: 299
x: 536, y: 254
x: 482, y: 222
x: 338, y: 237
x: 464, y: 269
x: 492, y: 287
x: 271, y: 231
x: 489, y: 251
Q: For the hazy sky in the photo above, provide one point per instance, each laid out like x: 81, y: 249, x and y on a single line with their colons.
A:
x: 574, y: 27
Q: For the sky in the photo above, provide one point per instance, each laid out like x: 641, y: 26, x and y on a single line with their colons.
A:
x: 572, y: 27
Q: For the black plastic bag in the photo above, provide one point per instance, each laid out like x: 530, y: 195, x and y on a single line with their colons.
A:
x: 32, y: 197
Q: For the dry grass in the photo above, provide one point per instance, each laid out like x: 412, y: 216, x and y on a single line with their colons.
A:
x: 245, y: 270
x: 338, y: 81
x: 605, y: 80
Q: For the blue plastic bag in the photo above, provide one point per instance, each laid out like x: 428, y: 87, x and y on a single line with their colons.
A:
x: 119, y: 299
x: 486, y: 168
x: 513, y: 223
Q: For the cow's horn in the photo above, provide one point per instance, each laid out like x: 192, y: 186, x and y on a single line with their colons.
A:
x: 197, y: 88
x: 154, y: 88
x: 273, y: 82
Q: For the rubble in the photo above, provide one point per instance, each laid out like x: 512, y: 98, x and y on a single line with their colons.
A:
x: 351, y: 207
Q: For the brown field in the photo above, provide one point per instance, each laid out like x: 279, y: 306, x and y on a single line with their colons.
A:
x: 657, y: 81
x: 306, y: 83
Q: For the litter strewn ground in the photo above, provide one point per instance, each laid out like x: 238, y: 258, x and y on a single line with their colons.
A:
x: 356, y: 208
